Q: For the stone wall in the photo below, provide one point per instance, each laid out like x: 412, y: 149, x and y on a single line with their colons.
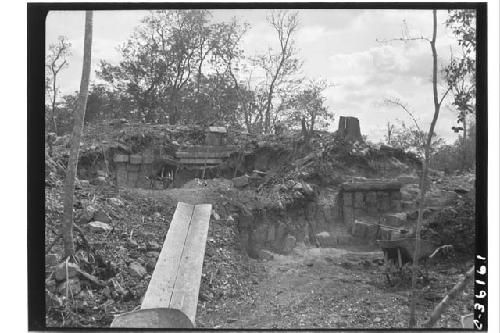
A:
x: 133, y: 170
x: 370, y: 198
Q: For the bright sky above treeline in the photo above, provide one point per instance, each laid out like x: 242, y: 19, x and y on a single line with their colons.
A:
x: 339, y: 45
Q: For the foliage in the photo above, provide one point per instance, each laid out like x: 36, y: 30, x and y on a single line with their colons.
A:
x: 279, y: 65
x: 169, y: 62
x: 449, y: 158
x: 307, y: 107
x: 410, y: 138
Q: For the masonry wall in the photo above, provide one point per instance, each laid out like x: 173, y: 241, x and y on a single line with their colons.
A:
x: 367, y: 199
x: 133, y: 170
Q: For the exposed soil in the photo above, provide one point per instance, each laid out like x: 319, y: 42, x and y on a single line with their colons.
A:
x: 334, y: 288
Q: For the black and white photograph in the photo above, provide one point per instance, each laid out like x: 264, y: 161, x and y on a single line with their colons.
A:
x: 258, y: 166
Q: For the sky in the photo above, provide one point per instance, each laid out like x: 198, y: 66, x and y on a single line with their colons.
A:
x: 344, y: 46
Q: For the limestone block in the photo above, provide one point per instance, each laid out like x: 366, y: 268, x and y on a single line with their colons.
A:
x: 132, y: 174
x: 260, y: 233
x: 325, y: 239
x: 347, y: 196
x: 396, y: 205
x: 383, y: 201
x: 135, y: 159
x: 348, y: 216
x: 120, y: 158
x: 371, y: 198
x: 289, y: 244
x: 280, y: 230
x: 241, y: 181
x: 265, y: 254
x: 359, y: 200
x: 121, y: 174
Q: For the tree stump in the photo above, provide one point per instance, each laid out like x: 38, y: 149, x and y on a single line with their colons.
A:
x: 349, y: 129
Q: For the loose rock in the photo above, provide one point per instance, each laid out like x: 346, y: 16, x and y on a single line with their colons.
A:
x: 136, y: 270
x: 289, y: 244
x: 265, y: 254
x: 98, y: 226
x: 240, y: 181
x: 101, y: 216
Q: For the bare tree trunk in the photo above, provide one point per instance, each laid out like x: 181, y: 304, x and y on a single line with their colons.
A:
x: 267, y: 121
x: 54, y: 103
x: 67, y: 225
x: 465, y: 163
x: 425, y: 170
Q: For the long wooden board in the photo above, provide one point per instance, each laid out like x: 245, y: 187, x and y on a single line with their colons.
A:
x: 202, y: 154
x: 201, y: 160
x: 160, y: 288
x: 187, y: 286
x: 208, y: 148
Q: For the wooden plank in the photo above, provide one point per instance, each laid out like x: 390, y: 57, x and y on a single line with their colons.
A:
x: 201, y: 160
x: 160, y: 288
x: 185, y: 293
x: 372, y: 186
x: 209, y: 148
x: 202, y: 154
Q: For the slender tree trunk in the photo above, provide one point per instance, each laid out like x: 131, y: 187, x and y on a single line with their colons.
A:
x: 54, y: 122
x: 267, y: 121
x: 425, y: 170
x: 67, y: 225
x: 464, y: 144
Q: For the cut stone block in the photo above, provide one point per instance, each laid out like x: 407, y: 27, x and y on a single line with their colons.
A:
x: 120, y: 158
x: 383, y: 201
x: 241, y: 181
x: 325, y: 239
x: 121, y: 174
x: 260, y: 233
x: 395, y: 219
x: 265, y: 254
x: 348, y: 216
x: 359, y: 200
x: 135, y: 159
x: 289, y: 244
x: 371, y: 198
x: 347, y: 196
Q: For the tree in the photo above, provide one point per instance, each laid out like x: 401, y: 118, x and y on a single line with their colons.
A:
x: 69, y: 187
x: 308, y: 106
x: 55, y: 61
x: 166, y: 55
x: 410, y: 137
x: 460, y: 73
x: 437, y: 101
x: 279, y: 66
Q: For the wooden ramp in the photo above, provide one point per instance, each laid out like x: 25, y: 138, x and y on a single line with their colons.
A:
x: 172, y: 295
